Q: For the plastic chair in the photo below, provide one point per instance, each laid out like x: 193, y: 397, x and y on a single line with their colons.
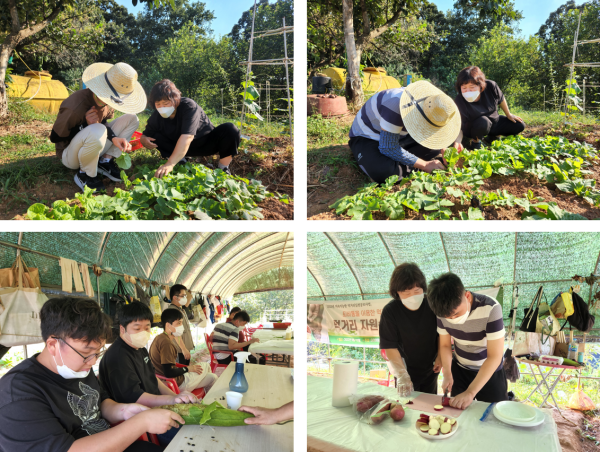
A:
x: 171, y: 383
x: 146, y: 437
x: 214, y: 363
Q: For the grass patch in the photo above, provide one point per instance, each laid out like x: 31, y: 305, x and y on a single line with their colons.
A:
x: 325, y: 132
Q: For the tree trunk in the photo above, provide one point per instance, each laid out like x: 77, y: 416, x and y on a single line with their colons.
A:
x: 5, y: 51
x: 353, y: 82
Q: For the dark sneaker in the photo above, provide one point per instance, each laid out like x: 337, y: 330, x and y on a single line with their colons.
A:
x: 183, y: 161
x: 110, y: 169
x: 487, y: 141
x: 83, y: 180
x: 226, y: 170
x: 475, y: 145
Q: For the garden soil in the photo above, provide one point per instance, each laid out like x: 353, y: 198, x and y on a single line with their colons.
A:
x: 273, y: 167
x: 570, y: 439
x: 323, y: 191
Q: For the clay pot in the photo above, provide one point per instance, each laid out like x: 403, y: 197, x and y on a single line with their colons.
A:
x: 326, y: 105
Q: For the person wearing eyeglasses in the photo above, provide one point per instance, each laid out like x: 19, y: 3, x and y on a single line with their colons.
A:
x: 52, y: 402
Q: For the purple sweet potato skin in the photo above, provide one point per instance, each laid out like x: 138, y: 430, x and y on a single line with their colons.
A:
x: 378, y: 419
x: 397, y: 412
x: 367, y: 402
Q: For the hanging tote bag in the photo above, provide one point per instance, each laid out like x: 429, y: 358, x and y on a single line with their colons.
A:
x: 20, y: 320
x: 9, y: 276
x: 155, y: 307
x: 530, y: 319
x: 112, y: 302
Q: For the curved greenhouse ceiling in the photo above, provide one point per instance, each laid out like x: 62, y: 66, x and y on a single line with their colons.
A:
x: 358, y: 265
x: 205, y: 262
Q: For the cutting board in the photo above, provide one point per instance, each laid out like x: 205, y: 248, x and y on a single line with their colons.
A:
x: 426, y: 402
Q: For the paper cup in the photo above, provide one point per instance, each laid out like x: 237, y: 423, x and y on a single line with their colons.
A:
x: 234, y: 400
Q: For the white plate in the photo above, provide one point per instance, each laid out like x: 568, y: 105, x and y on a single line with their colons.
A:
x: 516, y: 411
x: 539, y: 419
x: 440, y: 436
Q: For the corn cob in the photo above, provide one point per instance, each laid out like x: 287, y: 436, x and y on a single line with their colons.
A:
x: 214, y: 414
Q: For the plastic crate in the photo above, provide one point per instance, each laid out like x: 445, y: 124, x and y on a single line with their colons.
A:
x: 135, y: 141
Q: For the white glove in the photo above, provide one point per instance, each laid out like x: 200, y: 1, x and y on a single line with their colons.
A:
x: 404, y: 384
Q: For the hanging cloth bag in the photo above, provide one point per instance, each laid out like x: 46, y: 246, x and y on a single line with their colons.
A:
x: 155, y: 307
x: 20, y: 319
x: 112, y: 302
x: 530, y: 319
x: 9, y: 276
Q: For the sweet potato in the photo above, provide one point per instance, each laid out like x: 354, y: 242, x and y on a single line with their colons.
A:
x: 445, y: 401
x: 378, y: 417
x: 368, y: 402
x: 397, y: 412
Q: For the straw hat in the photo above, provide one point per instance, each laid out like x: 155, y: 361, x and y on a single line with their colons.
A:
x: 430, y: 116
x: 116, y: 85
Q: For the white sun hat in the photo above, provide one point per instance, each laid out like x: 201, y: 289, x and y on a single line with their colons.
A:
x: 116, y: 85
x: 429, y: 115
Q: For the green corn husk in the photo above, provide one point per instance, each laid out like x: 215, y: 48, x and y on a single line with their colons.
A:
x: 214, y: 414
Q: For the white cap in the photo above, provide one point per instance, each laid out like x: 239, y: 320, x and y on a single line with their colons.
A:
x: 242, y: 357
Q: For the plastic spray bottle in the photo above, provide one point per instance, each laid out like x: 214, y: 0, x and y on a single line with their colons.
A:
x: 238, y: 382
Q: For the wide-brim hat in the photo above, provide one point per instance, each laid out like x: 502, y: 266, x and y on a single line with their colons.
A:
x: 117, y: 86
x: 429, y: 115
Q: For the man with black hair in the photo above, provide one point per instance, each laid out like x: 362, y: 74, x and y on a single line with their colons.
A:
x: 185, y: 342
x: 126, y: 371
x: 474, y: 321
x: 51, y: 402
x: 232, y: 314
x: 163, y: 354
x: 225, y: 337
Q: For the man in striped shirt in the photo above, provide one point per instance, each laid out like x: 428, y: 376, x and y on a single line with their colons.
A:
x: 225, y: 337
x: 474, y: 321
x: 402, y: 129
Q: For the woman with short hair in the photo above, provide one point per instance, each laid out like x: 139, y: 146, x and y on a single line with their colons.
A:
x: 179, y: 128
x: 478, y: 100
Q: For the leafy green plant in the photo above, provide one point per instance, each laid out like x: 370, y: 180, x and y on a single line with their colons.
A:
x: 191, y: 191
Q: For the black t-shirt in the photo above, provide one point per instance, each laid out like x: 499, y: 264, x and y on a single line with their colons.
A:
x: 40, y: 411
x: 126, y: 373
x: 487, y: 105
x: 413, y: 333
x: 189, y: 119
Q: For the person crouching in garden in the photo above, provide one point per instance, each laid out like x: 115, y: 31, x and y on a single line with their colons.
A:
x: 478, y: 100
x: 404, y: 129
x: 179, y: 128
x: 83, y: 137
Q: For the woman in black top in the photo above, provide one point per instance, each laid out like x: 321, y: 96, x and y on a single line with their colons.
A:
x: 408, y: 333
x: 178, y: 127
x: 478, y: 100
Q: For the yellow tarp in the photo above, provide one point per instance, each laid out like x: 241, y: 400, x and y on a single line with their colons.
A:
x: 371, y: 81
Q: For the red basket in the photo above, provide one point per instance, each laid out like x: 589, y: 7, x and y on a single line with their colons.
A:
x: 135, y: 141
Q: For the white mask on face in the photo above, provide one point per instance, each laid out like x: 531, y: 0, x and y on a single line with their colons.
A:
x: 413, y: 302
x: 66, y: 372
x: 179, y: 331
x: 165, y: 112
x: 139, y: 340
x: 470, y: 96
x: 460, y: 320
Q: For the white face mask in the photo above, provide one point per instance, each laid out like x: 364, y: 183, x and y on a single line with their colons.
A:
x: 139, y: 340
x: 179, y: 331
x: 165, y: 112
x: 413, y: 302
x: 66, y: 372
x: 470, y: 96
x: 460, y: 320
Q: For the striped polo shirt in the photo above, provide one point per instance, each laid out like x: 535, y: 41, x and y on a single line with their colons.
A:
x: 221, y: 335
x: 381, y: 111
x: 470, y: 339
